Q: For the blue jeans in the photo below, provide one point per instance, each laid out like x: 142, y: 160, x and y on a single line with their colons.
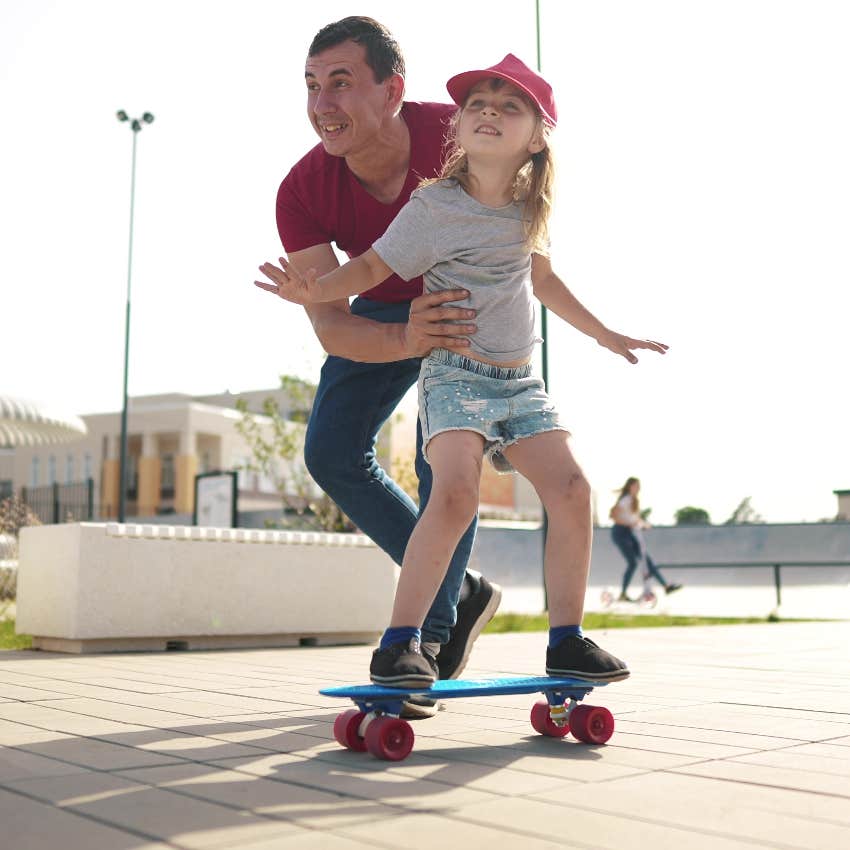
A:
x: 634, y: 552
x: 352, y: 402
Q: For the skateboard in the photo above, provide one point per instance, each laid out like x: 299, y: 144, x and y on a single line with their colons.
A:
x: 375, y: 724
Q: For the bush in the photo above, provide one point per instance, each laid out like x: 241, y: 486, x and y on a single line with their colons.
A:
x: 14, y: 515
x: 692, y: 516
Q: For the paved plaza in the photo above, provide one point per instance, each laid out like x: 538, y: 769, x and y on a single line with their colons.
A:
x: 727, y: 737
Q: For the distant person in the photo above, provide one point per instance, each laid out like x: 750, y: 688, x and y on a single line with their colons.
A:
x: 627, y: 534
x: 483, y: 226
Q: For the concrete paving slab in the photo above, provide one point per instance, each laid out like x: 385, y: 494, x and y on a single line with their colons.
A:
x: 36, y: 826
x: 180, y: 819
x: 772, y: 817
x: 18, y: 764
x: 95, y: 754
x: 306, y: 806
x: 435, y: 830
x: 309, y: 841
x: 727, y: 737
x: 772, y: 776
x: 600, y: 828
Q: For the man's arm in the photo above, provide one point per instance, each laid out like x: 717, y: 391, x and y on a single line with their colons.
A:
x: 356, y: 338
x: 553, y: 293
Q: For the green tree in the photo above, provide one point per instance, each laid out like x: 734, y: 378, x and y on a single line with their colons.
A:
x: 692, y: 516
x: 744, y: 514
x: 285, y: 442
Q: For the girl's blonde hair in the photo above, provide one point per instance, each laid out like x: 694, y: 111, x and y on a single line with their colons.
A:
x: 534, y: 184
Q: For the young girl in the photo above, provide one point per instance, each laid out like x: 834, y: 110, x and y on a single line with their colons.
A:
x: 627, y: 534
x: 482, y: 227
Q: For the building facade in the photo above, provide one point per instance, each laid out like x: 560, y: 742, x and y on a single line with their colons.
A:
x: 171, y: 438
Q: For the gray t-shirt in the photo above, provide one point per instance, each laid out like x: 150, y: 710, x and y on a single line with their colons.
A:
x: 455, y: 242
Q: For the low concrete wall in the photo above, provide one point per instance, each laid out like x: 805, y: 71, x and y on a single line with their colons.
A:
x: 94, y: 587
x: 511, y: 554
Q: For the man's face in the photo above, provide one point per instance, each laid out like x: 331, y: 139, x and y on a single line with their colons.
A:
x: 344, y: 103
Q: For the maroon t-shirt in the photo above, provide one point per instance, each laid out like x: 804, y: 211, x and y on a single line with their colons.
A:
x: 320, y: 201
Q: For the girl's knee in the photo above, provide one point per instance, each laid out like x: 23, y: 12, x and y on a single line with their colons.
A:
x: 456, y: 502
x: 571, y: 496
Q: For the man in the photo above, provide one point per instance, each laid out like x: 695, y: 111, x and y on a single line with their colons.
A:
x: 375, y: 148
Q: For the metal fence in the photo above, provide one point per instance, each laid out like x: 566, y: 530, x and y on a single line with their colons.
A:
x: 57, y: 503
x: 8, y: 568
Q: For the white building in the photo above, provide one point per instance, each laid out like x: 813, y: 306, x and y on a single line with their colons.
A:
x: 171, y: 438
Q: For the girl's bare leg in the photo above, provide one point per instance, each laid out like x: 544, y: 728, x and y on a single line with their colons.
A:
x: 547, y: 462
x: 455, y: 458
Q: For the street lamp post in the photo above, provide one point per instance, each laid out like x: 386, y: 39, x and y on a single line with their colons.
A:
x: 544, y: 347
x: 136, y: 125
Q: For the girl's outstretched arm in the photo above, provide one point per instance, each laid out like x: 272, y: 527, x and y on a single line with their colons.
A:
x: 552, y: 291
x: 356, y: 276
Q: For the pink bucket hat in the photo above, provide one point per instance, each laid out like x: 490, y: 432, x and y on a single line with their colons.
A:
x: 515, y: 71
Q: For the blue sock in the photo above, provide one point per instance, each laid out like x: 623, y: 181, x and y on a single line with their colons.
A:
x: 402, y: 634
x: 557, y: 634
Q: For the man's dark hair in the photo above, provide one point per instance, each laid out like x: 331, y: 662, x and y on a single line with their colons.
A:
x: 383, y: 55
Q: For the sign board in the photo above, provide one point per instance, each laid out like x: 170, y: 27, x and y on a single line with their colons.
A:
x: 215, y: 500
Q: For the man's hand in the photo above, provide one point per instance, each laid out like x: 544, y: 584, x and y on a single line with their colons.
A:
x: 288, y: 283
x: 434, y: 324
x: 623, y: 345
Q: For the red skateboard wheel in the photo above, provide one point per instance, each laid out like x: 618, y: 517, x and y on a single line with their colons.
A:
x: 346, y: 728
x: 542, y: 722
x: 591, y: 724
x: 389, y: 738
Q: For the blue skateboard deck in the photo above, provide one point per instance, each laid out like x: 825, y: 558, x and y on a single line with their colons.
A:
x: 375, y: 723
x: 452, y: 688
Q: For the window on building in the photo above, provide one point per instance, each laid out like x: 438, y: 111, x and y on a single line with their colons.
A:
x: 51, y: 469
x: 35, y: 471
x: 167, y: 476
x: 69, y: 469
x: 87, y: 466
x: 132, y: 476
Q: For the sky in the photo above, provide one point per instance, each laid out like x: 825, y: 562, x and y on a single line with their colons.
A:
x: 703, y: 200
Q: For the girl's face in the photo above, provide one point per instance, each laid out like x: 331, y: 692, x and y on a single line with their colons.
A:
x: 498, y: 120
x: 634, y: 488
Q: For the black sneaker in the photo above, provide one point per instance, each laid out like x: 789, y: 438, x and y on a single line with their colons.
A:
x: 582, y: 658
x: 419, y: 707
x: 672, y: 588
x: 624, y: 597
x: 473, y: 613
x: 403, y: 665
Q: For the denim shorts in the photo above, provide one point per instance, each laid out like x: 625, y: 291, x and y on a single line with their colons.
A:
x: 457, y: 393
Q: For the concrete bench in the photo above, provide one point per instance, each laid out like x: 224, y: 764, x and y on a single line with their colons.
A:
x: 104, y: 587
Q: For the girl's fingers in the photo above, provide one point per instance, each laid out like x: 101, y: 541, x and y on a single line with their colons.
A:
x: 650, y: 344
x: 272, y: 272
